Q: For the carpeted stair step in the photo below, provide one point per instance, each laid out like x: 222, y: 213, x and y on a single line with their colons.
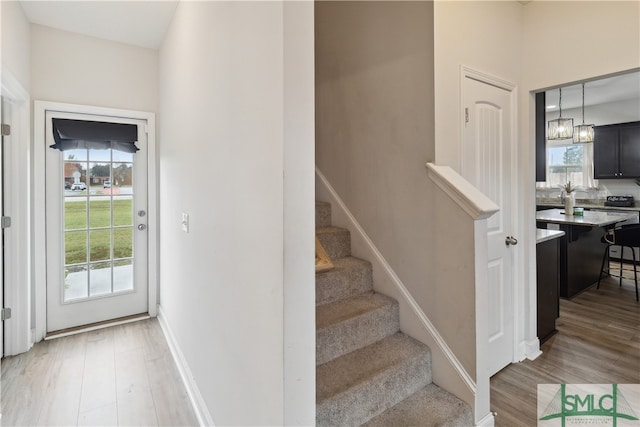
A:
x: 349, y: 324
x: 336, y: 241
x: 323, y: 214
x: 350, y: 276
x: 358, y: 386
x: 428, y: 407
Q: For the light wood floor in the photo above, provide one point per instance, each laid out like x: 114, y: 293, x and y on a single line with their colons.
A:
x: 122, y: 375
x: 598, y: 343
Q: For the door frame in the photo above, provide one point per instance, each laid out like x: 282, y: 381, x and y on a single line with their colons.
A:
x: 39, y: 155
x: 17, y: 329
x: 519, y: 301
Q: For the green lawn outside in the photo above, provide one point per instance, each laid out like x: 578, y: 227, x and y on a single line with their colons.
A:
x: 75, y: 218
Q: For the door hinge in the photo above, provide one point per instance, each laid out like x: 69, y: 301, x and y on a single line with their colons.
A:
x: 5, y: 129
x: 5, y: 313
x: 466, y: 115
x: 5, y: 222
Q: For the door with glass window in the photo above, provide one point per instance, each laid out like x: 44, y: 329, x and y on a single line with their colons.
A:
x: 96, y: 203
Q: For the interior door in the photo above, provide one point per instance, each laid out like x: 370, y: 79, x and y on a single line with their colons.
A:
x: 4, y: 119
x: 486, y: 163
x: 96, y: 201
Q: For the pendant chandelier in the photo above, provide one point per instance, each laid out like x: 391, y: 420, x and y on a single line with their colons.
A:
x: 582, y: 133
x: 560, y: 128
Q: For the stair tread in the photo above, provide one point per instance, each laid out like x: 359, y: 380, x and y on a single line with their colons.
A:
x: 344, y: 263
x: 429, y: 407
x: 350, y: 276
x: 331, y: 229
x: 335, y: 240
x: 358, y: 367
x: 330, y: 314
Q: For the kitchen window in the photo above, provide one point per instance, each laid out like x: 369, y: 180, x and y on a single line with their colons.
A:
x: 569, y: 162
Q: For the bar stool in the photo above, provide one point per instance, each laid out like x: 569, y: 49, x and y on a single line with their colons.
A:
x: 626, y: 236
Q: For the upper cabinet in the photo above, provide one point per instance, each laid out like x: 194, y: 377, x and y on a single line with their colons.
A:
x: 616, y: 151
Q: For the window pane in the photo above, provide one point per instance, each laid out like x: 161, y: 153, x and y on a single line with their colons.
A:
x: 123, y: 275
x: 75, y: 282
x: 100, y: 279
x: 75, y: 155
x: 122, y: 211
x: 100, y: 155
x: 100, y: 245
x: 75, y: 213
x: 566, y: 163
x: 123, y: 242
x: 100, y: 213
x: 121, y: 156
x: 75, y: 178
x: 566, y: 155
x: 75, y: 247
x: 123, y: 177
x: 99, y: 174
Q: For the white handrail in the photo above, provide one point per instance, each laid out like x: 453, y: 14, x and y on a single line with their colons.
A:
x: 468, y: 197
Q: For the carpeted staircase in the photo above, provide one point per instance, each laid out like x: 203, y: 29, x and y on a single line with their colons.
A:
x: 367, y: 371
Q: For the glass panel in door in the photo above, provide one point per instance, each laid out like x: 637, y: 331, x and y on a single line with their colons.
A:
x: 98, y: 223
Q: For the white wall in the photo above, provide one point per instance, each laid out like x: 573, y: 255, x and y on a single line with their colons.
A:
x: 299, y: 215
x: 14, y: 54
x: 604, y: 40
x: 483, y: 35
x: 72, y: 68
x: 237, y: 115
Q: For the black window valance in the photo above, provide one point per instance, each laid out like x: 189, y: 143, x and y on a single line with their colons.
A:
x: 81, y: 134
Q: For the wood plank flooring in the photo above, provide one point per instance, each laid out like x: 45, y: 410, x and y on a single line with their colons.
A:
x: 598, y: 342
x: 118, y: 376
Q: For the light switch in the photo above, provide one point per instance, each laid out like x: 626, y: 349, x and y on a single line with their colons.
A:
x: 185, y: 222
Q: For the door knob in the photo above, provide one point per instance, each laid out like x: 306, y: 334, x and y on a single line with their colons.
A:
x: 141, y: 227
x: 510, y: 240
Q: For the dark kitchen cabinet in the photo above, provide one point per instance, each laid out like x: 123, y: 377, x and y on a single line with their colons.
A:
x: 616, y: 151
x: 548, y: 297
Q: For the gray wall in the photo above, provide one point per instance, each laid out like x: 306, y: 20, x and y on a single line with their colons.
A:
x: 374, y: 134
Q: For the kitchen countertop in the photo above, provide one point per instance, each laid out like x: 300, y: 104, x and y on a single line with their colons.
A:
x: 543, y: 235
x: 590, y: 218
x: 596, y: 205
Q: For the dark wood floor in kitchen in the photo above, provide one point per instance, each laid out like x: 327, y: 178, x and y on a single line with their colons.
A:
x: 598, y: 342
x: 118, y: 376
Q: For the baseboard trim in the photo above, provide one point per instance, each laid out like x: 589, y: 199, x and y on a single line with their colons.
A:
x: 426, y: 323
x: 531, y: 349
x: 488, y: 420
x: 199, y: 407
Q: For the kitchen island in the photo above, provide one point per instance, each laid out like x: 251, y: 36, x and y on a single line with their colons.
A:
x: 581, y: 250
x: 548, y: 281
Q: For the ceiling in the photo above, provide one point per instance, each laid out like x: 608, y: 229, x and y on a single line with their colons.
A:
x: 600, y: 91
x: 139, y: 23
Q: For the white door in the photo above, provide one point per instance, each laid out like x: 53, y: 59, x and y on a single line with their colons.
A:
x: 96, y: 206
x: 4, y: 119
x: 487, y: 163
